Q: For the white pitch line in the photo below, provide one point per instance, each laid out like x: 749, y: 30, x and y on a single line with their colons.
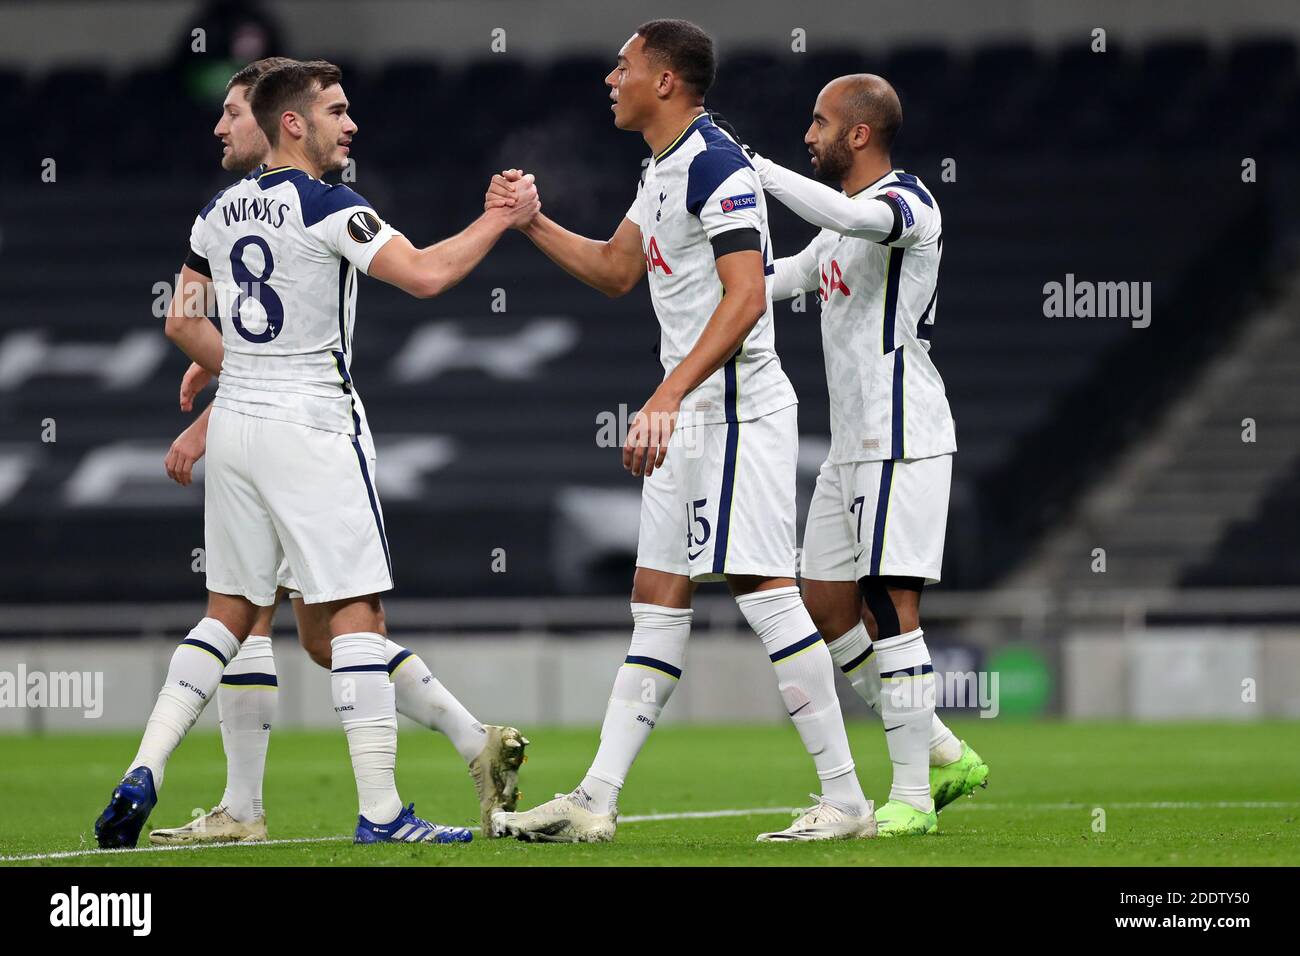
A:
x: 1154, y: 805
x: 707, y: 814
x: 69, y: 854
x: 96, y: 851
x: 700, y: 815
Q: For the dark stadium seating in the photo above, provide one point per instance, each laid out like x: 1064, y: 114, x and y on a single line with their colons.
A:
x: 1034, y: 199
x: 1259, y: 551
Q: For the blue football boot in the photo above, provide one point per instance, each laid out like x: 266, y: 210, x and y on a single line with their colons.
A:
x: 408, y: 828
x: 122, y: 820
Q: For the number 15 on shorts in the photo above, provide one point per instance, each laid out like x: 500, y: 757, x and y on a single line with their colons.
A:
x: 698, y: 529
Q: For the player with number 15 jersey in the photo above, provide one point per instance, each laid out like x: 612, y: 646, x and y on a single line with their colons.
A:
x: 717, y: 442
x: 698, y: 199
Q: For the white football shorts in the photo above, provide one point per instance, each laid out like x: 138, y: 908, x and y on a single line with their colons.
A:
x: 724, y: 500
x: 878, y: 518
x: 285, y: 497
x: 284, y: 576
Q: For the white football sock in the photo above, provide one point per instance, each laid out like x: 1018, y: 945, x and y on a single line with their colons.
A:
x: 364, y: 700
x: 907, y: 709
x: 806, y: 677
x: 422, y: 698
x: 854, y: 655
x: 246, y: 706
x: 642, y: 687
x: 192, y: 679
x: 944, y: 745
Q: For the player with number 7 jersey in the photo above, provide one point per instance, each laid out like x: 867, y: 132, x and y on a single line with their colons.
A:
x: 875, y: 528
x: 287, y: 477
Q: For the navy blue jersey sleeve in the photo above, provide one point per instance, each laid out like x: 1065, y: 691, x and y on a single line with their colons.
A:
x: 722, y: 191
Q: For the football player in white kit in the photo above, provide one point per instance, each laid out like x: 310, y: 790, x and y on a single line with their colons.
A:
x: 717, y: 442
x: 247, y: 700
x: 287, y: 475
x: 875, y: 528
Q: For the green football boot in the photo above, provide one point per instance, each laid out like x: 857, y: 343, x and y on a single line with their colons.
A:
x: 896, y: 818
x: 959, y: 778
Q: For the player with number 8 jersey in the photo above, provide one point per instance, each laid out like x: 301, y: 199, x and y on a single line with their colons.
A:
x: 288, y: 478
x: 283, y: 251
x: 280, y: 235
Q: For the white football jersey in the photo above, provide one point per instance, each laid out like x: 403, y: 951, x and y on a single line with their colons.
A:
x: 878, y: 303
x: 699, y: 189
x: 283, y: 250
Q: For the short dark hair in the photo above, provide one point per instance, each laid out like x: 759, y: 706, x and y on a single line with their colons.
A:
x: 291, y: 86
x: 686, y: 48
x: 249, y: 75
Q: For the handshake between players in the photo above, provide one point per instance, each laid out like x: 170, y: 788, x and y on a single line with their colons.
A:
x: 698, y: 231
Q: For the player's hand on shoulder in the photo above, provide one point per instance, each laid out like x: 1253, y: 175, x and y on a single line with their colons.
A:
x: 195, y: 380
x: 722, y: 123
x: 187, y: 449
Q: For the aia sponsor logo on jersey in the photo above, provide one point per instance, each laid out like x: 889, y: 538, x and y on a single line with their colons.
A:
x: 836, y: 282
x: 743, y: 201
x: 654, y: 259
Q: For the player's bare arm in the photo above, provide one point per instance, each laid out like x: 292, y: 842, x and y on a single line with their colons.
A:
x: 194, y: 381
x: 743, y: 303
x: 613, y: 267
x: 189, y: 446
x: 188, y: 325
x: 431, y: 271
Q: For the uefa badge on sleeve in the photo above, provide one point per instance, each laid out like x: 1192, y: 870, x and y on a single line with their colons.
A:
x: 363, y: 226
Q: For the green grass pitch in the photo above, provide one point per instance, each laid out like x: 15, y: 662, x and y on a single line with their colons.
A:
x: 1178, y: 794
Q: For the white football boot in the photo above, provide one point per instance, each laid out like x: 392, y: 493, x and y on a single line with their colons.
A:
x: 824, y: 821
x: 215, y: 826
x: 562, y: 820
x: 495, y: 772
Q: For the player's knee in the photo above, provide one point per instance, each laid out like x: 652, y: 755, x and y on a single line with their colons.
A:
x: 830, y: 622
x: 893, y: 603
x: 316, y: 642
x: 262, y: 622
x: 876, y: 596
x: 833, y: 618
x: 661, y: 589
x: 236, y: 614
x: 906, y: 595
